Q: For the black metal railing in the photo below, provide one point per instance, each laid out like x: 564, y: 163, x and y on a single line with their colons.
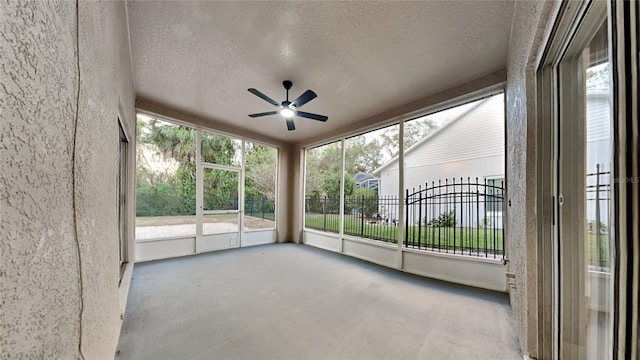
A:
x: 213, y: 202
x: 461, y: 216
x: 155, y: 204
x: 369, y: 217
x: 159, y: 204
x: 322, y: 213
x: 372, y: 217
x: 260, y: 207
x: 458, y: 216
x: 598, y: 190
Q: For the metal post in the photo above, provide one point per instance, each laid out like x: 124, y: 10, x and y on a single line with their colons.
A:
x: 199, y: 192
x: 241, y: 194
x: 478, y: 222
x: 419, y: 215
x: 406, y: 225
x: 440, y: 211
x: 433, y: 216
x: 455, y: 207
x: 362, y: 216
x: 484, y: 215
x: 597, y: 218
x: 342, y: 199
x: 324, y: 214
x: 401, y: 213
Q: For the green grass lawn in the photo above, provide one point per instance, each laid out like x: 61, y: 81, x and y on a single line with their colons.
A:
x: 598, y: 249
x: 469, y: 239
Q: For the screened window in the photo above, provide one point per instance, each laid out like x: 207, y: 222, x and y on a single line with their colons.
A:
x: 495, y: 194
x: 323, y: 177
x: 261, y: 166
x: 166, y: 179
x: 447, y: 155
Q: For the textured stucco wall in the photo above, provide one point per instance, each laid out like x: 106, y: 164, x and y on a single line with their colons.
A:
x: 296, y: 208
x: 60, y: 264
x: 39, y: 268
x: 106, y: 92
x: 284, y: 195
x: 531, y: 25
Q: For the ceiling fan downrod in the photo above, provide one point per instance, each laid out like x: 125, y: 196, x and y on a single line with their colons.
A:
x: 287, y: 86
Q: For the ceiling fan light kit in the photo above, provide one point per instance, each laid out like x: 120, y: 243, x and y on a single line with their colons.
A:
x: 289, y: 109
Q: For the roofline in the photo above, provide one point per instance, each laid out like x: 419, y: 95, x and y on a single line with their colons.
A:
x: 428, y: 137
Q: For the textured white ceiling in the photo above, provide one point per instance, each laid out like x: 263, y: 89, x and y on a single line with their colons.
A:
x: 361, y: 58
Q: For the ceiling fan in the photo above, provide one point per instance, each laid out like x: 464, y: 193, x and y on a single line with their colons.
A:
x: 289, y: 109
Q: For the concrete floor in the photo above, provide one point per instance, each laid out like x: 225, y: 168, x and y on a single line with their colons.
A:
x: 287, y: 301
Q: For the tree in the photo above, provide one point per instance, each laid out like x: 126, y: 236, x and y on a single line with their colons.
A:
x: 414, y: 131
x: 598, y: 77
x: 322, y: 165
x: 362, y: 154
x: 313, y: 176
x: 332, y: 190
x: 260, y: 165
x: 177, y: 144
x: 332, y: 185
x: 364, y: 201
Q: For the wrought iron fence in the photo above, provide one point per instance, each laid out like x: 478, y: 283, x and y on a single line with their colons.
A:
x: 461, y: 216
x: 458, y: 216
x: 154, y: 204
x: 364, y: 216
x: 260, y: 207
x: 598, y: 190
x: 213, y: 202
x: 322, y: 213
x: 372, y: 217
x: 158, y: 204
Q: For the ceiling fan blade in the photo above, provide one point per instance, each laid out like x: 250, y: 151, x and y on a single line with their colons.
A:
x: 290, y: 125
x: 263, y: 96
x: 304, y: 98
x: 263, y: 114
x: 311, y: 116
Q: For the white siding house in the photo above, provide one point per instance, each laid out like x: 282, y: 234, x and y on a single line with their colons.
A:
x: 468, y: 146
x: 472, y: 146
x: 598, y: 156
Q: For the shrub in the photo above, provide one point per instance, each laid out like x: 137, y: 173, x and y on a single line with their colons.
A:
x: 446, y: 219
x: 362, y: 199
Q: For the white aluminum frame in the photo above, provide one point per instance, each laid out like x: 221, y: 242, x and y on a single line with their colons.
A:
x: 201, y: 165
x: 574, y: 29
x: 400, y: 122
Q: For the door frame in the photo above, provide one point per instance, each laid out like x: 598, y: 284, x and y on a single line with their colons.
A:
x: 200, y: 212
x: 624, y: 27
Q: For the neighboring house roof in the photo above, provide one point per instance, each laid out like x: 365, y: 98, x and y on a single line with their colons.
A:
x: 484, y: 122
x: 363, y: 176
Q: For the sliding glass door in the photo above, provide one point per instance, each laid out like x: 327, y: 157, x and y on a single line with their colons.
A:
x: 584, y: 177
